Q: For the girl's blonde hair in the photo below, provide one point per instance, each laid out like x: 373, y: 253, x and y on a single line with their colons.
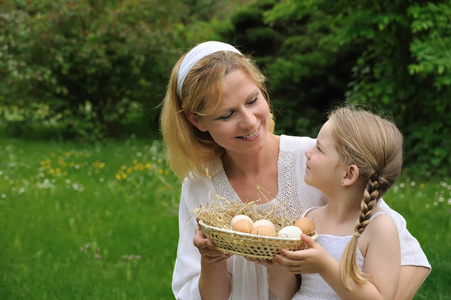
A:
x: 374, y: 145
x: 190, y: 151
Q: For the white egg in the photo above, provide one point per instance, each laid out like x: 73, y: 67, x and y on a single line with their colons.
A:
x: 265, y: 223
x: 240, y: 217
x: 293, y: 232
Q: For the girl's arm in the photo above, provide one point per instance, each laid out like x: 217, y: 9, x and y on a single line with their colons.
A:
x: 283, y: 283
x: 382, y: 262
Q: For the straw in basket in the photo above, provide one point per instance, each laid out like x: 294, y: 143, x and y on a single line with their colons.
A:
x: 214, y: 219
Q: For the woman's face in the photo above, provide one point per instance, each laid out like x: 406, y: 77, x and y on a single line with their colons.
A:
x: 241, y: 120
x: 323, y: 169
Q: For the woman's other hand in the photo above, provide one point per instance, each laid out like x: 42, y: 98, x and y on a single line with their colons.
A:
x: 206, y: 248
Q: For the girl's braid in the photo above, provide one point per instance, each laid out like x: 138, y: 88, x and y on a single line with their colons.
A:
x: 369, y: 201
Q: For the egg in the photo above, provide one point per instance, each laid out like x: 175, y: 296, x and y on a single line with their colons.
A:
x: 290, y: 232
x: 265, y: 223
x: 240, y: 217
x: 243, y: 225
x: 305, y: 224
x: 264, y: 230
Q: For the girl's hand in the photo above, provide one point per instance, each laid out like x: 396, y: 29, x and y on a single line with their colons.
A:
x: 206, y: 249
x: 311, y: 260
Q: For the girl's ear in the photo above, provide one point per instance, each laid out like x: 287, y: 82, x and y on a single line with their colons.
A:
x: 351, y: 176
x: 194, y: 119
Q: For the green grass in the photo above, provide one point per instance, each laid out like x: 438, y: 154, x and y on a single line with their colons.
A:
x: 427, y: 209
x: 86, y: 223
x: 100, y: 222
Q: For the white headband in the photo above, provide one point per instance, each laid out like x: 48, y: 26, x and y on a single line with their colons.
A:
x: 196, y: 54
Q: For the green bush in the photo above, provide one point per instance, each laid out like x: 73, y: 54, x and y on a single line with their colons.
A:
x: 92, y: 62
x: 393, y: 56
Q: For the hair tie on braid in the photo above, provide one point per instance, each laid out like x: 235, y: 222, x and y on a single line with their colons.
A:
x: 356, y: 234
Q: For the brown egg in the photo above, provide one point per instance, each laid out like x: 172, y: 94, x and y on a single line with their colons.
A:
x: 239, y: 217
x: 264, y: 222
x: 243, y: 225
x: 305, y: 224
x: 264, y: 230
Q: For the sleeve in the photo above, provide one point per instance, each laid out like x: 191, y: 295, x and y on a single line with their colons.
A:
x: 411, y: 252
x: 185, y: 279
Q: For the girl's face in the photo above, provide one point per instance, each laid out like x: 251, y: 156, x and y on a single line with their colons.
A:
x: 323, y: 162
x: 241, y: 120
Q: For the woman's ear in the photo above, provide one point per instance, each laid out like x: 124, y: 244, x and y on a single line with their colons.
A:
x: 194, y: 119
x: 351, y: 176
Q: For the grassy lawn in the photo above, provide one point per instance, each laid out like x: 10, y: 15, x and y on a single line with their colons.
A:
x: 427, y: 209
x: 86, y: 223
x: 100, y: 222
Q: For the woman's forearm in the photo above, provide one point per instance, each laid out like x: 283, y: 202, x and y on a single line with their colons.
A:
x: 214, y: 282
x: 410, y: 281
x: 283, y: 283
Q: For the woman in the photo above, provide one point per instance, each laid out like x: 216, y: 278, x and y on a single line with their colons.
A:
x: 217, y: 125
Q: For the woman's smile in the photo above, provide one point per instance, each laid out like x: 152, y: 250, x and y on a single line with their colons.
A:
x: 250, y: 136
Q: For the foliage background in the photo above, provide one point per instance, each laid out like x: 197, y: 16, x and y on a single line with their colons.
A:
x: 90, y: 70
x: 89, y: 65
x: 391, y: 55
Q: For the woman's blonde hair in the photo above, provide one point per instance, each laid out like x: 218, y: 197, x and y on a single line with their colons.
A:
x: 375, y: 146
x: 189, y: 150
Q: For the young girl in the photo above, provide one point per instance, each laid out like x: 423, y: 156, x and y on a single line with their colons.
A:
x: 356, y: 159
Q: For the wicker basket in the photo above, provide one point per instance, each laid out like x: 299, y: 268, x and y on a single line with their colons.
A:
x: 249, y: 245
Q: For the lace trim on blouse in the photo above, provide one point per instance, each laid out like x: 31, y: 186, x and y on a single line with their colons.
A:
x: 286, y: 203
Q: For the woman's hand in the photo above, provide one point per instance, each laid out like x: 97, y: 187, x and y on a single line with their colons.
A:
x: 206, y: 248
x: 214, y: 280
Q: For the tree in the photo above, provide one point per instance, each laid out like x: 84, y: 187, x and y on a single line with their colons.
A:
x: 91, y: 62
x: 392, y: 55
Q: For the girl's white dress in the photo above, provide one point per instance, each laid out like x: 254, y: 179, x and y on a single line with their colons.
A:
x: 313, y: 285
x: 249, y: 280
